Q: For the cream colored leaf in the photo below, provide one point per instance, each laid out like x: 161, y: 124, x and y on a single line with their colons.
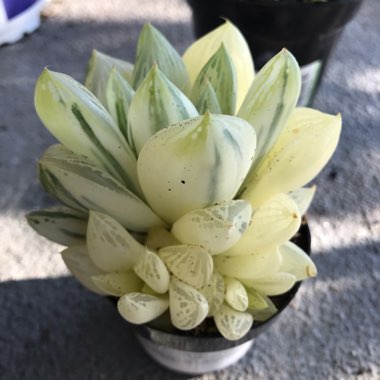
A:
x: 214, y: 291
x: 156, y: 105
x: 270, y: 100
x: 110, y: 245
x: 256, y: 301
x: 217, y: 227
x: 118, y: 283
x: 232, y: 324
x: 303, y: 197
x: 160, y: 237
x: 190, y: 263
x: 188, y: 307
x: 301, y: 151
x: 273, y: 223
x: 205, y: 160
x: 197, y: 55
x: 296, y: 262
x: 272, y: 285
x: 251, y: 266
x: 81, y: 266
x: 236, y: 296
x: 153, y: 271
x: 141, y: 308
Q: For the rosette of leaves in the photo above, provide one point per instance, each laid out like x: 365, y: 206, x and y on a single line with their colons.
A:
x: 181, y: 178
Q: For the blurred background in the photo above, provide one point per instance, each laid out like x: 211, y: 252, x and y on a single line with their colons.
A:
x: 52, y: 328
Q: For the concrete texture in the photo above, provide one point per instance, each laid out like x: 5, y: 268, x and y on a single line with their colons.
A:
x: 52, y: 328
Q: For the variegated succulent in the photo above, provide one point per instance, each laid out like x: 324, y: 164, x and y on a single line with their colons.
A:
x: 181, y: 178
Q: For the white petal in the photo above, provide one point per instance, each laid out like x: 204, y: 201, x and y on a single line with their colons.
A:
x: 302, y: 150
x: 232, y: 324
x: 190, y: 263
x: 188, y: 307
x: 153, y: 271
x: 141, y: 308
x: 296, y: 262
x: 253, y: 265
x: 81, y: 266
x: 110, y: 245
x: 273, y: 223
x: 202, y: 161
x: 118, y: 283
x: 216, y: 228
x: 201, y: 50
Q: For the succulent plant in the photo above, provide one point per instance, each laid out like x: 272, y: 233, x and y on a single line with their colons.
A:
x: 181, y: 178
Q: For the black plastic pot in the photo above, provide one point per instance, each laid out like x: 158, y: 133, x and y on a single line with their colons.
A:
x: 195, y: 354
x: 308, y: 30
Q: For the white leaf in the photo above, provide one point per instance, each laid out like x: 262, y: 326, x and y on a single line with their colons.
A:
x: 81, y: 266
x: 214, y: 291
x: 273, y: 223
x: 202, y: 161
x: 188, y: 307
x: 117, y: 283
x: 153, y: 271
x: 236, y: 295
x: 141, y: 308
x: 217, y: 227
x: 190, y: 263
x: 232, y: 324
x: 303, y: 197
x: 110, y: 245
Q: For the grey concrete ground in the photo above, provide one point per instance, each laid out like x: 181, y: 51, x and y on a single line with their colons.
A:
x: 52, y: 328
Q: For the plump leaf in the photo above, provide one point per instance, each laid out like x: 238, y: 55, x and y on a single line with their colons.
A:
x: 272, y: 285
x: 236, y: 296
x: 99, y: 67
x: 273, y: 223
x: 188, y: 307
x: 217, y: 227
x: 190, y: 263
x: 205, y: 160
x: 110, y: 245
x: 78, y: 120
x: 153, y: 47
x: 262, y: 314
x: 253, y: 265
x: 270, y: 100
x: 256, y: 301
x: 220, y: 73
x: 81, y: 266
x: 214, y: 292
x: 153, y: 271
x: 303, y: 197
x: 156, y: 105
x: 207, y: 101
x: 141, y: 308
x: 118, y: 283
x: 197, y: 55
x: 119, y: 96
x: 62, y: 225
x: 81, y: 185
x: 301, y: 151
x: 296, y: 262
x: 232, y: 324
x: 159, y: 237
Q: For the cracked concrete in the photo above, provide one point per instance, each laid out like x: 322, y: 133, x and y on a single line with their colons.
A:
x: 52, y: 328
